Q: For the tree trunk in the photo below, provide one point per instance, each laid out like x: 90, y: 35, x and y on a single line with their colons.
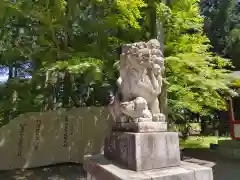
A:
x: 66, y: 89
x: 152, y: 19
x: 49, y: 92
x: 7, y: 109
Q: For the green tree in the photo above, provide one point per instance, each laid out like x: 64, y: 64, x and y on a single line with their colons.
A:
x: 197, y: 80
x: 70, y: 44
x: 222, y: 25
x: 73, y: 45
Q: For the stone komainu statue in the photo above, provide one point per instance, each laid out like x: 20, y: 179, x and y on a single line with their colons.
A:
x: 139, y: 84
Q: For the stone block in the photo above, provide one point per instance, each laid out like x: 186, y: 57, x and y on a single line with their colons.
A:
x: 99, y: 168
x: 200, y: 172
x: 200, y: 162
x: 143, y: 151
x: 141, y: 127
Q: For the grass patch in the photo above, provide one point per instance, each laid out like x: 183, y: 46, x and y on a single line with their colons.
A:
x: 200, y: 141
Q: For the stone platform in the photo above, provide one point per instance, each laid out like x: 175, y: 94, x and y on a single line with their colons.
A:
x: 99, y: 168
x: 143, y: 151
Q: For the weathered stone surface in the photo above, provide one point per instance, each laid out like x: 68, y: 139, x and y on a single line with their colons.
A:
x: 171, y: 173
x: 101, y: 169
x: 200, y: 162
x: 143, y: 151
x: 200, y: 172
x: 141, y: 127
x: 39, y: 139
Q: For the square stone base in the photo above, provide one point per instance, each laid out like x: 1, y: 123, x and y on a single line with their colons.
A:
x: 143, y: 151
x: 99, y: 168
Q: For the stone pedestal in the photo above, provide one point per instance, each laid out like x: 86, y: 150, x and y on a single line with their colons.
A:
x: 99, y: 168
x: 143, y: 151
x: 143, y: 156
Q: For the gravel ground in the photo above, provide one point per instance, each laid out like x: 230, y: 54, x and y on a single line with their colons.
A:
x: 223, y: 169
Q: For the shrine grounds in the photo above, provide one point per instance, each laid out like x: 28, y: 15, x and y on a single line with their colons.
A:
x: 223, y: 169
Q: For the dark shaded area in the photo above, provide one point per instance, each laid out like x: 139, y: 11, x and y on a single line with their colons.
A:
x: 57, y: 172
x: 236, y: 105
x: 224, y: 127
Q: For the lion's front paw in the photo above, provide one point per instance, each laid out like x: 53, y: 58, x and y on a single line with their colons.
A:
x: 159, y: 117
x: 147, y: 119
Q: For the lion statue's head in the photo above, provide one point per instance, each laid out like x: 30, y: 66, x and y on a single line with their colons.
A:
x: 141, y: 55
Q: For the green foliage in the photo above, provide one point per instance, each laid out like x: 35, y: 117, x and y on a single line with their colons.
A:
x: 73, y: 49
x: 196, y: 77
x: 72, y: 46
x: 222, y: 25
